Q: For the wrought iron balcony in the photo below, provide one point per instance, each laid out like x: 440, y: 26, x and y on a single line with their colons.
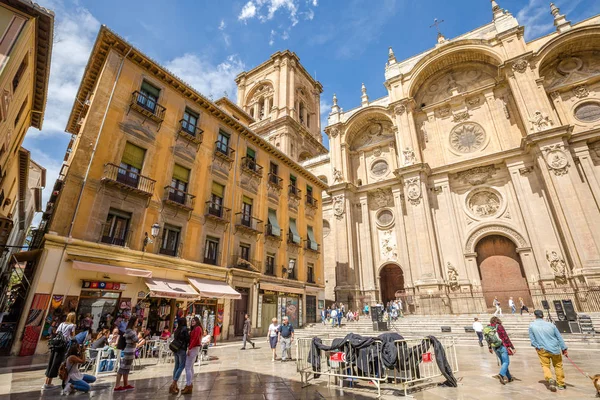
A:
x: 250, y: 165
x: 217, y: 212
x: 222, y: 150
x: 190, y: 132
x: 237, y: 261
x: 311, y: 201
x: 312, y: 246
x: 179, y: 198
x: 247, y: 223
x: 115, y: 236
x: 272, y: 233
x: 147, y: 106
x: 275, y: 180
x: 128, y: 179
x: 294, y: 192
x: 292, y: 242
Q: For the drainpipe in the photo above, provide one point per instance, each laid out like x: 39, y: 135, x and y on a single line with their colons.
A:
x: 30, y: 295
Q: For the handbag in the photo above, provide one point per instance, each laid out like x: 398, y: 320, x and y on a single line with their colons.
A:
x: 122, y: 342
x: 175, y: 345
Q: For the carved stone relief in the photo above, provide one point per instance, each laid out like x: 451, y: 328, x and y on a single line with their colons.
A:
x: 467, y: 138
x: 444, y: 112
x: 446, y: 84
x: 376, y: 132
x: 473, y: 101
x: 484, y: 203
x: 581, y: 91
x: 334, y: 132
x: 520, y: 66
x: 339, y: 206
x: 452, y: 276
x: 568, y: 69
x: 461, y: 116
x: 389, y: 247
x: 409, y: 156
x: 381, y: 198
x: 400, y: 109
x: 505, y: 108
x: 337, y: 175
x: 540, y: 122
x: 477, y: 175
x: 558, y: 266
x: 556, y: 159
x: 424, y: 133
x: 413, y: 190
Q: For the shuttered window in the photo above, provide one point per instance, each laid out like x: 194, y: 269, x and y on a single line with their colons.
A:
x: 250, y: 153
x: 275, y: 229
x: 150, y: 90
x: 133, y: 155
x: 180, y: 173
x: 294, y: 231
x: 218, y: 189
x: 311, y: 239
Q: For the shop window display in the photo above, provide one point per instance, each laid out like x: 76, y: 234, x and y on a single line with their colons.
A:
x: 97, y: 309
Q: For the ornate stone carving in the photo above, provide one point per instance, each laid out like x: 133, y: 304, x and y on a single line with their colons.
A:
x: 540, y: 122
x: 377, y: 151
x: 409, y: 156
x: 339, y: 206
x: 381, y: 198
x: 424, y: 132
x: 520, y: 66
x: 467, y: 138
x: 461, y: 116
x: 477, y: 175
x: 334, y: 132
x: 389, y: 248
x: 446, y: 84
x: 444, y: 112
x: 566, y: 70
x: 413, y: 190
x: 481, y: 232
x: 484, y: 203
x: 505, y: 109
x: 555, y: 95
x: 337, y: 175
x: 452, y: 276
x: 558, y: 266
x: 473, y: 101
x: 377, y: 131
x: 581, y: 91
x: 556, y: 159
x: 399, y: 109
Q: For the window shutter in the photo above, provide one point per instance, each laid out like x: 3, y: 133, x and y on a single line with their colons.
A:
x: 180, y: 173
x: 294, y: 231
x: 275, y: 229
x: 133, y: 155
x: 150, y: 89
x: 251, y: 153
x: 218, y: 189
x: 311, y: 239
x: 247, y: 200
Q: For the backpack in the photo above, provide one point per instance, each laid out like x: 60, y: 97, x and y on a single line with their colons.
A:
x: 63, y: 373
x: 490, y: 334
x: 58, y: 342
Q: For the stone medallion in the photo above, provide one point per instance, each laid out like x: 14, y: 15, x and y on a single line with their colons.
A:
x: 484, y: 203
x: 467, y: 138
x: 556, y: 159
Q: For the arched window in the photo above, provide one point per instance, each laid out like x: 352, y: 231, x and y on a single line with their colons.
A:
x: 301, y: 113
x: 261, y: 108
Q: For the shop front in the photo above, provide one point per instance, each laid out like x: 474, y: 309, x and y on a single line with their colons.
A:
x: 279, y: 301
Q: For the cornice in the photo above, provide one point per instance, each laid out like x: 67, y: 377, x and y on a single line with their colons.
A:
x: 535, y: 138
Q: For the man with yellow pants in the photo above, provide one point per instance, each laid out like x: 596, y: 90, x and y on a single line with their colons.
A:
x: 550, y: 347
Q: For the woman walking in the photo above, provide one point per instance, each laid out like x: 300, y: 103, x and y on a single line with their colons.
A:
x: 181, y: 339
x: 57, y: 352
x: 273, y: 337
x: 523, y: 306
x: 499, y: 343
x: 75, y: 379
x: 194, y: 347
x: 127, y: 356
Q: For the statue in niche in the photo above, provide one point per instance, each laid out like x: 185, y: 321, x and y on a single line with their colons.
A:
x: 540, y: 122
x: 337, y: 175
x: 452, y: 276
x: 424, y: 132
x: 558, y: 266
x: 409, y: 156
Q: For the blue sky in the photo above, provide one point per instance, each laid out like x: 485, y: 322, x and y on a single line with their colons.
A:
x: 207, y: 43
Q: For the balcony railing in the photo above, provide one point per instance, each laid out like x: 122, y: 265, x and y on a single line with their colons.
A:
x: 117, y: 237
x: 179, y: 198
x: 128, y: 179
x: 311, y: 201
x: 237, y: 261
x: 274, y: 180
x: 147, y: 106
x: 312, y: 246
x: 212, y: 259
x: 290, y: 240
x: 190, y: 132
x: 247, y: 222
x: 273, y: 233
x: 223, y: 150
x: 170, y: 251
x: 293, y: 191
x: 250, y: 165
x: 217, y: 211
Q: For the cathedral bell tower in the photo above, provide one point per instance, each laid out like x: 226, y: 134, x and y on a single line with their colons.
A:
x: 284, y: 101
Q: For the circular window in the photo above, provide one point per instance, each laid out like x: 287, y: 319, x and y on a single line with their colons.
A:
x: 379, y: 168
x: 467, y: 138
x: 588, y: 112
x: 384, y: 218
x: 326, y: 228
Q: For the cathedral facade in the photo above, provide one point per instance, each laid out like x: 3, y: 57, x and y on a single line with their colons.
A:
x: 477, y: 176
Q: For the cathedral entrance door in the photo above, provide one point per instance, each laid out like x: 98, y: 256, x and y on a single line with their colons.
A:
x: 501, y: 272
x: 391, y: 280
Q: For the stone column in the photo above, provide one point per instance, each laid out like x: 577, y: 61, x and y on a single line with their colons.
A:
x: 407, y: 135
x: 292, y: 88
x: 365, y: 238
x: 592, y: 173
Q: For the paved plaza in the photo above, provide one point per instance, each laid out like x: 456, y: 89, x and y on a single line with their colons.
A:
x: 250, y: 374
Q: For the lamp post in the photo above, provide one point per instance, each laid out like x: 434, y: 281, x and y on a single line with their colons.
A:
x: 154, y: 232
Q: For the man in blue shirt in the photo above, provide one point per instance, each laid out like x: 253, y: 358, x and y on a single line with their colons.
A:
x: 286, y: 336
x: 550, y: 347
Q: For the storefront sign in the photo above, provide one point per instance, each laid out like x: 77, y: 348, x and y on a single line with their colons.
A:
x: 103, y: 285
x: 259, y: 318
x: 141, y: 294
x: 426, y: 357
x: 339, y: 356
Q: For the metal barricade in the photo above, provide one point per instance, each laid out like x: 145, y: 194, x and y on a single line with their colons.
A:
x: 415, y: 363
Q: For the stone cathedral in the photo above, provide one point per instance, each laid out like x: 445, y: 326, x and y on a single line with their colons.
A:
x: 477, y: 176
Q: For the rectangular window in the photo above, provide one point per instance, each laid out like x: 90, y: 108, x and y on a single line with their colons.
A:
x: 291, y: 269
x: 273, y: 173
x: 293, y: 180
x: 251, y: 153
x: 211, y: 251
x: 20, y: 113
x: 294, y: 236
x: 189, y: 122
x: 148, y: 96
x: 310, y: 273
x: 312, y: 243
x: 20, y: 72
x: 270, y: 264
x: 170, y: 240
x: 245, y: 251
x: 250, y: 161
x: 131, y: 165
x: 179, y: 184
x: 223, y: 143
x: 273, y: 228
x: 247, y: 211
x: 116, y: 229
x: 216, y: 200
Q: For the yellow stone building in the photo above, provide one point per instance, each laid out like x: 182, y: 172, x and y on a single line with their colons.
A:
x: 171, y: 203
x: 25, y: 48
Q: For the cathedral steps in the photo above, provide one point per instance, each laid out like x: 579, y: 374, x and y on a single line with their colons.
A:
x: 422, y: 325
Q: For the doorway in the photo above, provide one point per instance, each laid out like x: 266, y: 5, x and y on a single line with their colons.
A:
x: 391, y: 280
x: 501, y: 271
x: 240, y: 309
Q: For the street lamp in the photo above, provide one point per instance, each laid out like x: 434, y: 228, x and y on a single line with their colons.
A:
x: 154, y: 232
x: 155, y: 229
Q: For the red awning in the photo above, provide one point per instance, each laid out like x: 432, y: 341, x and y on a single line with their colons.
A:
x: 171, y: 289
x: 111, y: 269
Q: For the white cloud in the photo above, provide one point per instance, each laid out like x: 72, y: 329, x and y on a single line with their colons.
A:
x: 266, y: 10
x: 536, y: 17
x: 206, y: 77
x: 272, y: 37
x: 309, y: 15
x: 315, y: 3
x: 285, y: 35
x: 248, y: 11
x: 222, y: 25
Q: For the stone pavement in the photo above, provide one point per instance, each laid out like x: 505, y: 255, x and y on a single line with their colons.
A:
x: 250, y: 374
